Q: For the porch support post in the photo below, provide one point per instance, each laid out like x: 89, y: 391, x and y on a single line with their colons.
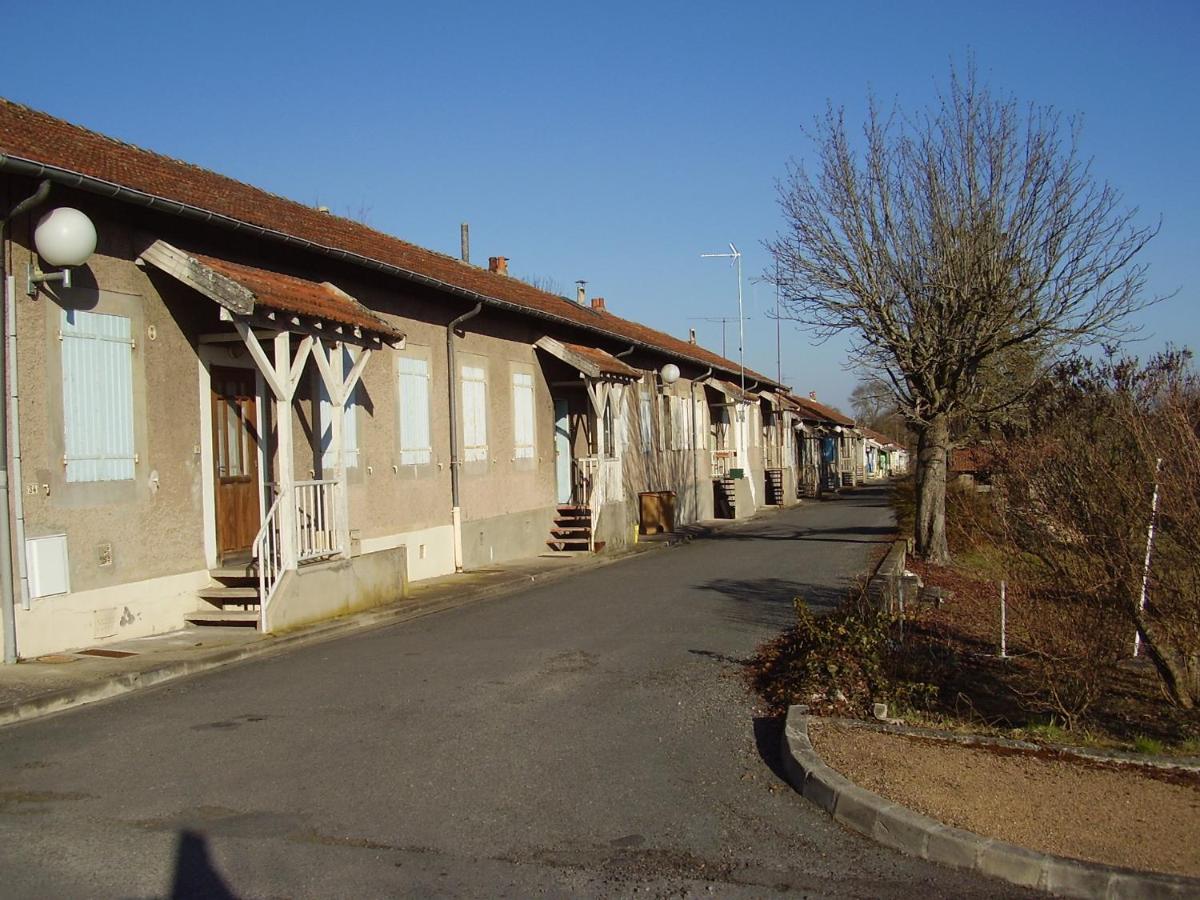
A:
x: 284, y: 450
x: 337, y: 444
x: 340, y: 385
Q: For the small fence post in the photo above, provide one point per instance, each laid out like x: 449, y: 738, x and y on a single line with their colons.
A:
x: 1003, y: 622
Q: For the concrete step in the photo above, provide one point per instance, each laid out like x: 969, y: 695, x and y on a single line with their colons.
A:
x: 220, y: 594
x: 564, y: 543
x: 244, y: 617
x: 234, y: 573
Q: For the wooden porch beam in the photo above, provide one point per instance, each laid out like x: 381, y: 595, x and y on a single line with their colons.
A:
x: 278, y: 386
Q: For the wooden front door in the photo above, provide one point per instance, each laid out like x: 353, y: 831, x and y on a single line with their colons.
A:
x: 235, y: 456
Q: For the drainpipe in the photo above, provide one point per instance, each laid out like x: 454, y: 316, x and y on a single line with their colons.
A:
x: 625, y: 353
x: 455, y: 462
x: 696, y: 440
x: 6, y: 560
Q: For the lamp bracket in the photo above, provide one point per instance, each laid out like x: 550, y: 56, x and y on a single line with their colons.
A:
x: 35, y: 276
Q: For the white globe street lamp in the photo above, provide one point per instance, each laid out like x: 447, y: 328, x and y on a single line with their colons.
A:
x: 63, y: 238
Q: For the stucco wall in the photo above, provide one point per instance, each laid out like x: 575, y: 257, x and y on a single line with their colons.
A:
x: 117, y: 531
x: 338, y: 588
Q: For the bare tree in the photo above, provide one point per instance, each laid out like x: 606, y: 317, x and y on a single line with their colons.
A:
x: 1103, y: 440
x: 547, y: 283
x: 871, y: 400
x: 963, y: 249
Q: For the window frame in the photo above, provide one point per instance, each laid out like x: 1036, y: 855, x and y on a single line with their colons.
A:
x: 122, y: 467
x: 524, y: 400
x: 474, y: 420
x: 414, y: 456
x: 324, y: 420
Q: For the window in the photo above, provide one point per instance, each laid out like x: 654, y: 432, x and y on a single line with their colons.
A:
x: 474, y: 399
x: 349, y: 421
x: 522, y: 415
x: 644, y: 417
x: 681, y: 426
x: 609, y: 434
x: 664, y: 424
x: 97, y: 376
x: 415, y: 448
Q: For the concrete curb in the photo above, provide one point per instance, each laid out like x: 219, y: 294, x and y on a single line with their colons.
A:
x: 392, y: 614
x: 918, y: 835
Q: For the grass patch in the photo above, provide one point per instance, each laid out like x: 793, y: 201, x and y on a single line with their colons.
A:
x: 1148, y: 745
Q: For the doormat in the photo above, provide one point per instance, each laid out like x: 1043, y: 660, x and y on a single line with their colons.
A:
x: 110, y: 654
x: 56, y: 658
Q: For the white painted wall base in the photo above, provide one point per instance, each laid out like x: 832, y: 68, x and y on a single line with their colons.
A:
x: 437, y: 557
x: 87, y: 618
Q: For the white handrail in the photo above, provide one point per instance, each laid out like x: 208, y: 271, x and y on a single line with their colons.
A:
x: 589, y: 481
x: 722, y: 462
x: 317, y: 531
x: 268, y: 551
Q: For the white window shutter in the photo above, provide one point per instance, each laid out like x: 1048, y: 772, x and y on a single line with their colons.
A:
x: 415, y: 446
x: 474, y: 392
x: 349, y: 422
x: 645, y: 419
x: 97, y: 385
x: 523, y: 417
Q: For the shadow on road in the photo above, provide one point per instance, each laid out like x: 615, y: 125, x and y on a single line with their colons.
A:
x: 768, y: 737
x: 857, y: 534
x: 769, y: 601
x: 195, y: 875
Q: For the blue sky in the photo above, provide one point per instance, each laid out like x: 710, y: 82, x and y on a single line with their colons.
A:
x: 613, y: 142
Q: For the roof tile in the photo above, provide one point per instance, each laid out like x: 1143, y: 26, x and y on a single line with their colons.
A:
x: 297, y: 295
x: 38, y: 137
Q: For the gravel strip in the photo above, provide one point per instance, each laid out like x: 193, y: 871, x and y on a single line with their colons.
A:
x: 1072, y: 809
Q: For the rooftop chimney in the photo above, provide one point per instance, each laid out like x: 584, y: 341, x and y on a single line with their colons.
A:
x: 498, y: 264
x: 692, y: 336
x: 581, y: 292
x: 812, y: 395
x: 598, y: 303
x: 465, y: 238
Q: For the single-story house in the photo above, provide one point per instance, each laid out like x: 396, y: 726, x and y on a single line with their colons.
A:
x: 245, y: 409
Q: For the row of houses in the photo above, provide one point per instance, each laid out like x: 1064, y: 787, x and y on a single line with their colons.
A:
x: 245, y: 409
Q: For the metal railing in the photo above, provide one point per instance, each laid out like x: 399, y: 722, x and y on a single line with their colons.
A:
x: 317, y: 536
x: 589, y: 488
x: 268, y: 556
x: 722, y: 462
x: 317, y: 532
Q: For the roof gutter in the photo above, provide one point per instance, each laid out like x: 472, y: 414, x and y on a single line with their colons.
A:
x: 455, y: 458
x: 20, y: 166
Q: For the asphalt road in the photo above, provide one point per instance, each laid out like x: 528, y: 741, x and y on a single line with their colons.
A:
x: 589, y: 737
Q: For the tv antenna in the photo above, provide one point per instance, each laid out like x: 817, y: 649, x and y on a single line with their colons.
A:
x: 724, y: 320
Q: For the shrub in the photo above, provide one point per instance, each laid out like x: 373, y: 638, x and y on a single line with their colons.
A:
x: 1078, y: 491
x: 839, y: 663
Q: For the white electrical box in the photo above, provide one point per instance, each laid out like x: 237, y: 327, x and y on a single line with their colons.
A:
x: 47, y: 565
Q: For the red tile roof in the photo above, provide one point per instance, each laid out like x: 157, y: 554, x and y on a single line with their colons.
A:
x: 975, y: 458
x: 297, y: 295
x: 810, y: 407
x: 605, y: 362
x: 34, y: 136
x: 878, y: 436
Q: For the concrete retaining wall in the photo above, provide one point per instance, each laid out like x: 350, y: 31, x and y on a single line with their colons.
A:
x: 338, y: 588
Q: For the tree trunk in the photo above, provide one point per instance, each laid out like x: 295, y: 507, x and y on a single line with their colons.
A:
x: 1178, y: 671
x: 933, y: 448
